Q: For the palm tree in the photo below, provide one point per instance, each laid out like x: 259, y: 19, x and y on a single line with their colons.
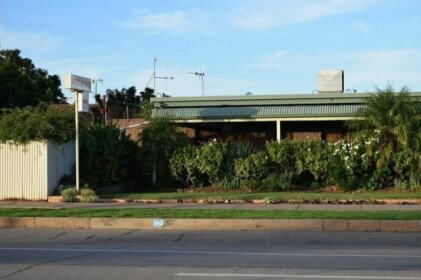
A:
x: 394, y: 119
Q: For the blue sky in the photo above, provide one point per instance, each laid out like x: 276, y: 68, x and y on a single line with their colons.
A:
x: 264, y: 47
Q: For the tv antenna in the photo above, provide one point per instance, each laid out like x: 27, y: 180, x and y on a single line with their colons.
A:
x: 158, y: 77
x: 200, y: 75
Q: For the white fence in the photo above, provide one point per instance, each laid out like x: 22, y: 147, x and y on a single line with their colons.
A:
x: 32, y: 171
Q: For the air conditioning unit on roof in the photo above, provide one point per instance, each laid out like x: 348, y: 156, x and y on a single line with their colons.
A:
x: 330, y: 81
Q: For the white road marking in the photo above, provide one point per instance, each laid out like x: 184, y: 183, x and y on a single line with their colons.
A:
x: 294, y: 276
x: 190, y: 252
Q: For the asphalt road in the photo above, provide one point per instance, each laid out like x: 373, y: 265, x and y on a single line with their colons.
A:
x: 124, y: 254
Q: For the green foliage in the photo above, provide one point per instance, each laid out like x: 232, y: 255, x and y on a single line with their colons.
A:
x: 215, y: 161
x: 279, y: 182
x: 159, y: 141
x: 184, y: 167
x: 227, y: 179
x: 22, y: 84
x: 88, y: 195
x: 69, y: 195
x: 106, y: 155
x: 63, y: 187
x: 284, y: 154
x: 36, y: 124
x: 354, y: 166
x: 253, y: 167
x: 211, y: 159
x: 314, y: 156
x: 146, y: 110
x: 394, y: 119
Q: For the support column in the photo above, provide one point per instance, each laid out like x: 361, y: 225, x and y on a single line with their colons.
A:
x: 278, y: 130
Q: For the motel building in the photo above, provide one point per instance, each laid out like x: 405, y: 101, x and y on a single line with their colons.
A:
x: 261, y: 118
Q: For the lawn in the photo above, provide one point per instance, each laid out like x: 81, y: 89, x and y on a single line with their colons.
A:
x: 211, y: 214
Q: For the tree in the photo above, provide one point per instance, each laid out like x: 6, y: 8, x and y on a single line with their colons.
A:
x: 147, y: 106
x: 122, y: 103
x: 107, y: 155
x: 147, y: 94
x: 53, y: 123
x: 22, y: 84
x: 159, y: 141
x: 393, y: 119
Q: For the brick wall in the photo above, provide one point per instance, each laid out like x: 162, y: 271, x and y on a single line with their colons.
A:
x: 133, y: 131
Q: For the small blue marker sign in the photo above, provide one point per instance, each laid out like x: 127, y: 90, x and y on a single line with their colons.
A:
x: 158, y: 223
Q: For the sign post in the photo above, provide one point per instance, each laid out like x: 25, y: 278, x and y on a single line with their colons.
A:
x: 81, y: 87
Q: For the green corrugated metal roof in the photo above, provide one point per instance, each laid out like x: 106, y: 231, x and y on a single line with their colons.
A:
x: 282, y: 111
x: 261, y: 106
x: 254, y: 100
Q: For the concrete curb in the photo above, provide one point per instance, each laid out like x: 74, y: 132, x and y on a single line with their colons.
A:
x: 215, y: 224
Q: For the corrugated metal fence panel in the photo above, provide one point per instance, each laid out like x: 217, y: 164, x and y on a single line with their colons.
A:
x: 23, y: 171
x: 61, y: 160
x: 258, y: 111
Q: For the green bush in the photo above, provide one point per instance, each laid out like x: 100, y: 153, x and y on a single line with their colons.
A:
x: 314, y: 156
x: 210, y: 157
x: 69, y: 195
x: 236, y: 150
x: 37, y: 124
x: 229, y: 182
x: 160, y: 139
x: 253, y: 167
x: 106, y: 155
x: 279, y: 182
x: 284, y: 154
x: 88, y: 195
x: 61, y: 188
x: 354, y: 165
x: 184, y: 167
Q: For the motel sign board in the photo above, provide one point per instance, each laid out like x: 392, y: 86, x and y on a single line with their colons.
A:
x: 77, y: 83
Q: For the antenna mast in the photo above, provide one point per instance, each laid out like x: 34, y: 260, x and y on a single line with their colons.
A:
x: 200, y: 75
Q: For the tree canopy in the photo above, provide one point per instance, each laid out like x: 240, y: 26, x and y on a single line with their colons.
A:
x: 54, y: 123
x: 394, y: 120
x: 124, y: 103
x: 22, y: 84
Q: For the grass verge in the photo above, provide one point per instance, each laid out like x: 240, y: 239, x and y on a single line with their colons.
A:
x: 211, y: 214
x: 281, y: 196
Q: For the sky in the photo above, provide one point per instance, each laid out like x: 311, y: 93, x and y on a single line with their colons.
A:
x: 262, y: 47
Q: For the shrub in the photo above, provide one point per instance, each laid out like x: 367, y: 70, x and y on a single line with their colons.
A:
x: 88, y: 195
x: 37, y: 124
x: 253, y: 167
x: 184, y: 167
x: 229, y: 182
x: 159, y: 141
x: 354, y: 165
x: 69, y: 195
x: 314, y: 156
x: 210, y: 159
x: 283, y: 154
x: 234, y: 151
x: 106, y: 155
x: 279, y: 182
x: 61, y: 188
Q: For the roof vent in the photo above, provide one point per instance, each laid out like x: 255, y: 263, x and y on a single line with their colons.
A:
x: 330, y: 81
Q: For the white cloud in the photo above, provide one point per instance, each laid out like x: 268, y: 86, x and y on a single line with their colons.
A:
x: 170, y: 23
x: 270, y: 62
x: 255, y: 16
x: 257, y: 22
x: 156, y: 23
x: 30, y: 41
